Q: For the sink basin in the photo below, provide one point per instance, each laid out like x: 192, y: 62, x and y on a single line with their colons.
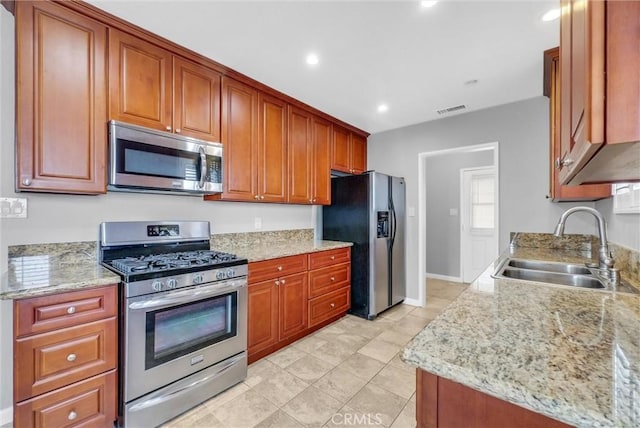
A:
x: 575, y: 280
x: 549, y: 266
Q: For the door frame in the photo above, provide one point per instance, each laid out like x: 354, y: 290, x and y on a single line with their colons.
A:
x: 496, y: 233
x: 422, y: 215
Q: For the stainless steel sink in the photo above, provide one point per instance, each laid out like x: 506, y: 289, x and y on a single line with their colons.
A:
x: 549, y: 266
x: 575, y: 280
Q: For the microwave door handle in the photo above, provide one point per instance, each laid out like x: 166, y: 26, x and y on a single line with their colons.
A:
x: 203, y: 166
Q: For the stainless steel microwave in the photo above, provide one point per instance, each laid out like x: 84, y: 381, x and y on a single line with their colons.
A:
x: 146, y: 160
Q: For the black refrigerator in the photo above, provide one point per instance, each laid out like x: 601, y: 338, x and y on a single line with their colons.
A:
x: 369, y: 210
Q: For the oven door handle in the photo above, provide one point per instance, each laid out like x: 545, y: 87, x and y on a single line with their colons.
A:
x: 190, y: 295
x: 165, y: 397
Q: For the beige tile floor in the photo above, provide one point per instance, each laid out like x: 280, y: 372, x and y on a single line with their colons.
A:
x: 346, y: 374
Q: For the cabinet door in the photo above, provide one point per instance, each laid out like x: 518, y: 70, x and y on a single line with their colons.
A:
x: 299, y: 157
x: 196, y: 106
x: 582, y: 61
x: 292, y: 291
x: 239, y: 136
x: 61, y: 100
x: 358, y: 154
x: 139, y: 82
x: 341, y: 150
x: 559, y: 192
x: 262, y: 309
x: 321, y: 179
x: 272, y: 149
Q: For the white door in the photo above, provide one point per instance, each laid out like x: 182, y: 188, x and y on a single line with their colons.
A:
x: 479, y: 231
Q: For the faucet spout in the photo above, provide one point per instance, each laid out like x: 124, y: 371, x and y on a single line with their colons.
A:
x: 605, y: 261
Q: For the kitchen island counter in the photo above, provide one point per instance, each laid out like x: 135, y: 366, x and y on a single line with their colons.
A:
x: 569, y: 354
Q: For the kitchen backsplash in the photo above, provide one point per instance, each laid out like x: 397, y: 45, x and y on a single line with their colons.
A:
x: 224, y: 241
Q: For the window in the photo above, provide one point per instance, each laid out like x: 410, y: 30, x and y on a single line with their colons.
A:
x: 626, y: 198
x: 482, y: 201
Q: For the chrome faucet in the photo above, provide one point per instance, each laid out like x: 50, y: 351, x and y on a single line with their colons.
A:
x: 605, y: 259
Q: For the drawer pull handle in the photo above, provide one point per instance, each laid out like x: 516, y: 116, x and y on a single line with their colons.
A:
x: 333, y: 257
x: 71, y: 310
x: 72, y: 415
x: 333, y: 305
x: 279, y: 268
x: 71, y: 357
x: 333, y: 278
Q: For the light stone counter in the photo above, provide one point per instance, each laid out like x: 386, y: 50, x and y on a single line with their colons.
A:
x: 570, y: 354
x: 35, y: 270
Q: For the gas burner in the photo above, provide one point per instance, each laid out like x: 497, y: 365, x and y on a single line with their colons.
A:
x: 170, y: 261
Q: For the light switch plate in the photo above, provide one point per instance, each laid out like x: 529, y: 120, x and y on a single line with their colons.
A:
x: 411, y: 211
x: 453, y: 211
x: 13, y: 207
x: 257, y: 223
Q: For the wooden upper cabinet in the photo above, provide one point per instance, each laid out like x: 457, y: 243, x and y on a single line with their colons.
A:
x: 341, y: 149
x: 358, y: 154
x: 300, y: 156
x: 239, y: 137
x: 321, y: 179
x: 557, y: 191
x: 61, y: 100
x: 140, y: 82
x: 599, y: 102
x: 272, y: 149
x: 196, y: 106
x: 348, y: 151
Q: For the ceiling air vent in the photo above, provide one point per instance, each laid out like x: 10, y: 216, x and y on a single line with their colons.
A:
x: 451, y: 109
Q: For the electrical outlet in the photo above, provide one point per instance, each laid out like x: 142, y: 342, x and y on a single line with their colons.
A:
x: 257, y: 223
x: 13, y: 208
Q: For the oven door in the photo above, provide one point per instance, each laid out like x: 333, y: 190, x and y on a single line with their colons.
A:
x: 170, y: 335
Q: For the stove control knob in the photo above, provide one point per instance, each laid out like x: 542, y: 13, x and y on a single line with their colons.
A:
x: 157, y: 285
x: 171, y: 283
x: 198, y: 278
x: 231, y: 273
x: 220, y: 275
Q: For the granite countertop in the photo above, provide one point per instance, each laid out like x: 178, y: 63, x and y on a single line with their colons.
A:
x: 570, y: 354
x: 35, y: 270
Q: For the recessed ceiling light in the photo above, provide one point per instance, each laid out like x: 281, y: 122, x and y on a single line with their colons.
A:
x: 312, y: 59
x: 551, y: 15
x: 427, y: 3
x: 383, y: 108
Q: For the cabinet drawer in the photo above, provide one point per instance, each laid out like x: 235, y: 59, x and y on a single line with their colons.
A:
x: 329, y: 257
x: 275, y: 268
x: 324, y: 307
x: 51, y: 360
x: 90, y: 403
x: 47, y: 313
x: 322, y: 281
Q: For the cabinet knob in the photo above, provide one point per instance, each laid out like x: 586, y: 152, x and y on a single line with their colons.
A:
x: 71, y: 310
x: 333, y: 305
x: 261, y: 196
x: 72, y: 415
x: 333, y: 278
x: 256, y: 197
x: 71, y: 357
x: 177, y: 130
x: 277, y: 282
x: 566, y: 162
x: 26, y: 181
x: 310, y: 201
x: 279, y: 268
x: 332, y: 257
x: 558, y: 163
x: 168, y: 128
x: 282, y: 281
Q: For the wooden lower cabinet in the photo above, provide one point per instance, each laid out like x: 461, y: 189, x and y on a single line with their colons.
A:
x: 286, y: 302
x: 65, y: 359
x: 444, y: 403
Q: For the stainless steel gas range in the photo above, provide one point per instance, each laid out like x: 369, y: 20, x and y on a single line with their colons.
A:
x: 183, y: 317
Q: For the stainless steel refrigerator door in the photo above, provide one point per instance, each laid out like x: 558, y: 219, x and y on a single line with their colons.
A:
x: 398, y: 233
x: 379, y: 267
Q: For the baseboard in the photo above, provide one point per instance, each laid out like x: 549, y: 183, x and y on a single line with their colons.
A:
x: 412, y: 302
x: 443, y: 277
x: 6, y: 416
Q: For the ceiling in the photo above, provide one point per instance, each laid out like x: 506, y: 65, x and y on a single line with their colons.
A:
x: 414, y: 59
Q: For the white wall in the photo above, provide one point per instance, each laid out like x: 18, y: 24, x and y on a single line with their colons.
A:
x: 64, y: 218
x: 522, y: 130
x: 623, y: 229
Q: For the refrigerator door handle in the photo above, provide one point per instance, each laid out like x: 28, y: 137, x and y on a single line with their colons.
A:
x: 394, y: 221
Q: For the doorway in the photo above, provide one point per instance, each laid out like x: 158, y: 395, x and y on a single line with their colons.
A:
x: 440, y: 249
